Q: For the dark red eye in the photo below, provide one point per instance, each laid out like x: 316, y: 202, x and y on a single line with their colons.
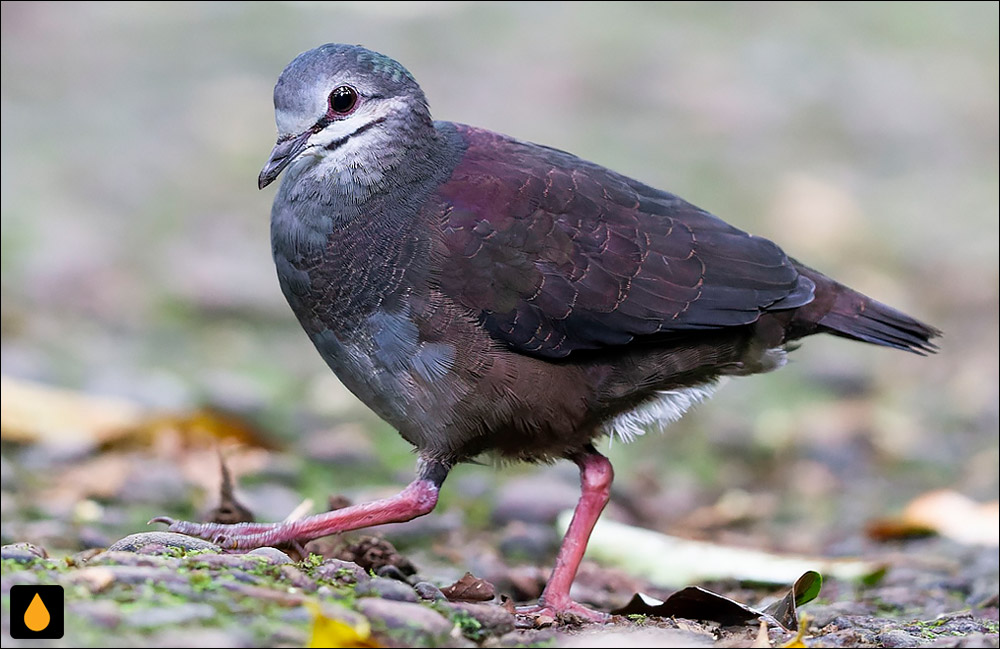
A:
x: 343, y: 99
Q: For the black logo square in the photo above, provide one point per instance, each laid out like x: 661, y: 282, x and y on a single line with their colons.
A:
x: 36, y: 612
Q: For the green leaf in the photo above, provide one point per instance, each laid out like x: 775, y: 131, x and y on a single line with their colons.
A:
x: 807, y: 587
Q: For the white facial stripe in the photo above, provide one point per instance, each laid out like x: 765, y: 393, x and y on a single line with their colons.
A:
x: 364, y: 117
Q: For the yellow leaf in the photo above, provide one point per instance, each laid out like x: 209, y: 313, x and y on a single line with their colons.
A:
x: 328, y: 632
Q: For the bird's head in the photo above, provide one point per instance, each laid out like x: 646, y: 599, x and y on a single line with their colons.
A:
x: 343, y: 104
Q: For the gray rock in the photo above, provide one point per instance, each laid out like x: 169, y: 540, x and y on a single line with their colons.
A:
x: 23, y: 552
x: 405, y: 619
x: 427, y: 590
x: 102, y: 613
x: 297, y: 578
x: 161, y: 543
x: 897, y: 638
x: 273, y: 555
x: 493, y: 619
x: 387, y: 589
x: 247, y: 561
x: 154, y: 616
x: 390, y: 571
x: 341, y: 572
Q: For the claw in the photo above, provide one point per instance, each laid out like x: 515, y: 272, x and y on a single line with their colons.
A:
x: 162, y: 519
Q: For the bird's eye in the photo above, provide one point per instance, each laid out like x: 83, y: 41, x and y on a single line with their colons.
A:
x: 343, y: 99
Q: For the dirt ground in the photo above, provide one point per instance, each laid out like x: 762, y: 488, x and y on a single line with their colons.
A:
x: 144, y: 334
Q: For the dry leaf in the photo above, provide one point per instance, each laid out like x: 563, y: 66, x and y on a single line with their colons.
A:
x: 34, y: 412
x: 961, y: 519
x: 470, y: 589
x: 229, y: 510
x: 696, y: 603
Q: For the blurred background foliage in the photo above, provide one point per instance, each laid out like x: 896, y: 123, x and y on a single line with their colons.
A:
x: 861, y: 137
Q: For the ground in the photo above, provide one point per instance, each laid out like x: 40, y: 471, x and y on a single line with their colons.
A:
x: 136, y: 277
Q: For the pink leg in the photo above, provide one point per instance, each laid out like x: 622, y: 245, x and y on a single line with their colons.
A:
x: 417, y: 499
x: 596, y: 475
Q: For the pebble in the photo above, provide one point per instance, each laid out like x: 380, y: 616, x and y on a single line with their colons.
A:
x: 161, y: 543
x: 495, y: 620
x: 273, y: 555
x: 390, y: 571
x: 247, y: 561
x: 154, y: 616
x: 297, y: 578
x: 427, y: 590
x: 23, y: 552
x: 341, y: 572
x: 101, y: 612
x: 897, y: 638
x: 387, y: 589
x: 412, y: 619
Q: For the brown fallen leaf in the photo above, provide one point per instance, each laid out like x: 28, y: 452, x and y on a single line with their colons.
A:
x: 943, y: 512
x: 469, y: 589
x: 696, y: 603
x: 33, y: 412
x: 692, y: 603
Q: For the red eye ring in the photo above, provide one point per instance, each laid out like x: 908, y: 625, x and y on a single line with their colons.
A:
x: 343, y: 100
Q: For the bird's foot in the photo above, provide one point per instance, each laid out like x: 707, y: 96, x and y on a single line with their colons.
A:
x: 563, y: 611
x: 417, y: 499
x: 236, y: 536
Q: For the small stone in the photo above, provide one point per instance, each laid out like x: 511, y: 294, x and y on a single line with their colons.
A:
x: 387, y: 589
x: 122, y: 558
x: 390, y: 571
x: 411, y: 619
x: 341, y: 572
x: 273, y: 555
x: 494, y: 619
x: 23, y: 552
x: 154, y: 616
x: 103, y: 613
x: 298, y: 578
x: 897, y: 638
x: 161, y: 543
x: 233, y: 561
x: 427, y: 590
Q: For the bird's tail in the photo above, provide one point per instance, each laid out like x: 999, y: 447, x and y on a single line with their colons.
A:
x: 842, y: 311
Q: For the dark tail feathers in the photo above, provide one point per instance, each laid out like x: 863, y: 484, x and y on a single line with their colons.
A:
x: 842, y: 311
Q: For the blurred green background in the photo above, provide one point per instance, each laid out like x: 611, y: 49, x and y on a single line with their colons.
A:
x: 861, y: 137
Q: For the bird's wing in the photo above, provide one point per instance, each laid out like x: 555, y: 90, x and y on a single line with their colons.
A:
x: 556, y: 254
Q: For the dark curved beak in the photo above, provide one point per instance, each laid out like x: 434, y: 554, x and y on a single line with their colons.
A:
x: 283, y: 153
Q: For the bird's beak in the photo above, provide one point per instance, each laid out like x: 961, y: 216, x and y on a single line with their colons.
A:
x: 282, y: 155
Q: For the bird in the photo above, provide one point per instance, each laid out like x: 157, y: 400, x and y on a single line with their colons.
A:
x: 488, y: 296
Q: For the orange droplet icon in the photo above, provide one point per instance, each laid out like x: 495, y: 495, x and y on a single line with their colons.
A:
x: 36, y: 617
